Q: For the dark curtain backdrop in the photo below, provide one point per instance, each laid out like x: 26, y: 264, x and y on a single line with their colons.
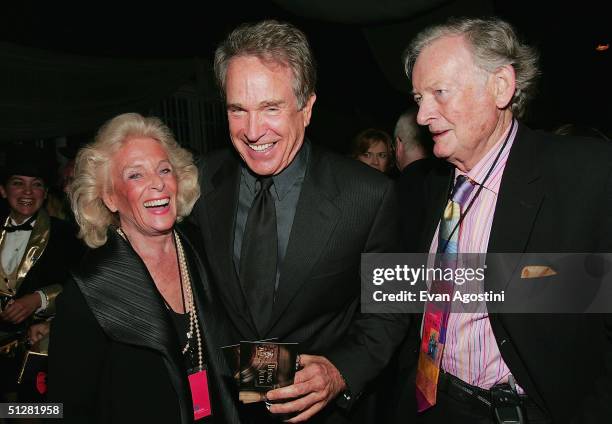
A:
x: 48, y: 94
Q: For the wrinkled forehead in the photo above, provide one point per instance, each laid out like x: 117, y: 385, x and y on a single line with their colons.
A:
x: 445, y: 57
x: 138, y: 149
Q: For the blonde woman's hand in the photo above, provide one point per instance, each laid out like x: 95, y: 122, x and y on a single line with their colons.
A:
x: 38, y: 331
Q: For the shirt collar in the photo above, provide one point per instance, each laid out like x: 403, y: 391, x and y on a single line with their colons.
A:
x: 481, y: 169
x: 286, y: 178
x: 12, y: 222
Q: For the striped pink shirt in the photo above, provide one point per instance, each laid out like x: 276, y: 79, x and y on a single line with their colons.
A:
x: 471, y: 352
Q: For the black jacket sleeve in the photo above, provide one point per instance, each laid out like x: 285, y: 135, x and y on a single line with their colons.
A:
x: 373, y: 338
x: 77, y: 350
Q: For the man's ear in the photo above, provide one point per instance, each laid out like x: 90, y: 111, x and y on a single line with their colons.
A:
x: 399, y: 149
x: 504, y: 85
x: 307, y: 109
x: 109, y: 201
x: 2, y: 192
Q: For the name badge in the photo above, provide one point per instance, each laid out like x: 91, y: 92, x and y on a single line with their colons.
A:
x: 198, y: 383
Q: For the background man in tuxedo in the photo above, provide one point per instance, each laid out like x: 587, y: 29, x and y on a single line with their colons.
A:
x: 471, y: 79
x: 285, y: 223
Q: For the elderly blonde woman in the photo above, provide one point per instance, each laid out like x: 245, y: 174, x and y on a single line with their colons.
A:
x: 135, y: 330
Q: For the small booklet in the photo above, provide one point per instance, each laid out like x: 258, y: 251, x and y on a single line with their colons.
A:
x: 261, y: 366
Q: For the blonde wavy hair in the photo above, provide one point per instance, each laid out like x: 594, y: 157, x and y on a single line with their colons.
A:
x: 92, y: 173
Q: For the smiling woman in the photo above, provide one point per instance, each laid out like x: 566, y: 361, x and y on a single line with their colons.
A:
x: 115, y: 159
x: 143, y: 188
x: 36, y: 251
x: 25, y: 196
x: 139, y: 301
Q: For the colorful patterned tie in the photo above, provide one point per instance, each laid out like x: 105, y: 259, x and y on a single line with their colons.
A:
x: 435, y: 319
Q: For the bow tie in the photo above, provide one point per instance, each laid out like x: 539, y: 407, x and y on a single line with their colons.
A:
x: 26, y: 226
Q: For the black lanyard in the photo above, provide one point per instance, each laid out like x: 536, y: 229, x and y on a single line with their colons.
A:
x: 481, y: 185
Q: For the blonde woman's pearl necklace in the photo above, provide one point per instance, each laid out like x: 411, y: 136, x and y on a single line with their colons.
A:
x: 186, y: 285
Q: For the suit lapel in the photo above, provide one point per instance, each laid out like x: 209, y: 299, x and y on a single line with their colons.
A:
x: 220, y: 203
x: 37, y: 243
x: 123, y: 297
x: 220, y: 200
x: 520, y: 197
x: 519, y: 200
x: 316, y: 216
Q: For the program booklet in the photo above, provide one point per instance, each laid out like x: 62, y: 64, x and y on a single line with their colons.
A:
x: 261, y: 366
x: 232, y: 357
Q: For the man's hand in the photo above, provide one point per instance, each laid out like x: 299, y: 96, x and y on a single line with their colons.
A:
x: 314, y: 386
x: 19, y: 309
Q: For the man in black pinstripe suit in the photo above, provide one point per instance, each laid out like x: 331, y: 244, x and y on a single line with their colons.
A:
x: 329, y: 210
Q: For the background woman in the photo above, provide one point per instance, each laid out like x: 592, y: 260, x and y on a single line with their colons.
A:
x: 36, y: 251
x: 373, y: 147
